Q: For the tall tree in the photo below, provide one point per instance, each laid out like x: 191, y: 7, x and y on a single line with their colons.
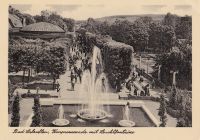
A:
x: 188, y: 113
x: 173, y: 98
x: 162, y: 111
x: 70, y: 23
x: 161, y: 37
x: 184, y: 28
x: 37, y: 117
x: 134, y: 34
x: 15, y: 112
x: 181, y: 121
x: 171, y: 20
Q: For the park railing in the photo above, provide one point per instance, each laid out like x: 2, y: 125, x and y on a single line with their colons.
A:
x: 150, y: 78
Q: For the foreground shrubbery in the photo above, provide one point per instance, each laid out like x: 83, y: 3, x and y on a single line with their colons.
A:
x: 180, y: 107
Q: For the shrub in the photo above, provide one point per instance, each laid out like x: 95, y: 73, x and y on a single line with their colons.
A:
x: 173, y: 98
x: 15, y: 112
x: 30, y: 95
x: 37, y: 117
x: 162, y: 111
x: 173, y: 112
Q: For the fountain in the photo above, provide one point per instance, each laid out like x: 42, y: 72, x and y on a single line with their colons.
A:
x: 94, y: 84
x: 60, y: 121
x: 126, y: 122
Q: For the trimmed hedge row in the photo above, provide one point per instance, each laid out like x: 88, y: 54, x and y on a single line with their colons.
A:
x: 29, y: 95
x: 117, y: 58
x: 117, y: 62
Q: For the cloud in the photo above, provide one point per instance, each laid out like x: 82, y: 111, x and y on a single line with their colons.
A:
x: 83, y: 9
x: 98, y: 5
x: 153, y: 8
x: 183, y: 7
x: 64, y: 8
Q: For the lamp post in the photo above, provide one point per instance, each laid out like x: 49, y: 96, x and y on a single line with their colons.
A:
x: 159, y: 68
x: 140, y: 61
x: 147, y: 65
x: 133, y: 59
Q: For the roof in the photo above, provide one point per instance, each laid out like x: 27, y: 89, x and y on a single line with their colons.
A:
x: 42, y: 27
x: 14, y: 21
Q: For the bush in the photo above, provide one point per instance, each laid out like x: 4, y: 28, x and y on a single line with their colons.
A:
x: 15, y: 112
x: 37, y: 118
x: 173, y: 112
x: 162, y: 111
x: 30, y: 95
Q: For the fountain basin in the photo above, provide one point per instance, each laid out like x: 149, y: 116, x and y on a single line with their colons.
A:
x: 126, y: 123
x: 86, y: 114
x: 138, y: 114
x: 60, y: 122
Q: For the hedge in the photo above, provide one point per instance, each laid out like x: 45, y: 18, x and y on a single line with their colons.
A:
x: 117, y: 57
x: 117, y: 62
x: 29, y: 95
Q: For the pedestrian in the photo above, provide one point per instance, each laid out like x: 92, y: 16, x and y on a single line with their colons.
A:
x: 135, y: 92
x: 153, y: 83
x: 90, y: 66
x: 72, y: 75
x: 148, y: 92
x: 58, y: 86
x: 75, y: 77
x: 75, y: 72
x: 103, y: 85
x: 73, y: 83
x: 80, y: 74
x: 132, y: 89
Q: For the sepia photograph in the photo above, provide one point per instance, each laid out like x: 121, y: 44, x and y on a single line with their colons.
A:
x: 76, y: 65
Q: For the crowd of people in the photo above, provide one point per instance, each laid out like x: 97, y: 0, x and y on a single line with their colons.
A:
x: 136, y: 86
x: 78, y: 62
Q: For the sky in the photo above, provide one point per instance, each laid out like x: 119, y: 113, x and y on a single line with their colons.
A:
x: 82, y: 11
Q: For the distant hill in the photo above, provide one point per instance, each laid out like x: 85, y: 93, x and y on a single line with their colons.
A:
x: 131, y: 18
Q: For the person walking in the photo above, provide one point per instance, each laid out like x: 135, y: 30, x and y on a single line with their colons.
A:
x: 153, y: 84
x: 103, y: 85
x: 132, y: 89
x: 73, y: 84
x: 80, y: 74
